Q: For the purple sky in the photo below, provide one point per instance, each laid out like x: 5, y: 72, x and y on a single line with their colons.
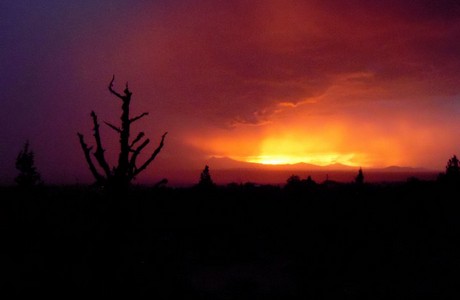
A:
x: 370, y: 83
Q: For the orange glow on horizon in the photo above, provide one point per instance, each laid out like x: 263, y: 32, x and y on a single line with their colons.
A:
x: 292, y: 149
x: 285, y: 146
x: 322, y: 159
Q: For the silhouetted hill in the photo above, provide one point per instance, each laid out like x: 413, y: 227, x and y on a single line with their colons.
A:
x: 402, y: 169
x: 225, y: 163
x: 228, y: 163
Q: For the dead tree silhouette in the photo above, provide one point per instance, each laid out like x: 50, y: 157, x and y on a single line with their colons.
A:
x: 126, y: 170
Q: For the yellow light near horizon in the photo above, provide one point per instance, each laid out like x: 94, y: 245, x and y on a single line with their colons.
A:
x: 322, y: 159
x: 273, y: 160
x: 291, y: 150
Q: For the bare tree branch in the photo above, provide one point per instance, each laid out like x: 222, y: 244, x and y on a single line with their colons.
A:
x: 132, y: 162
x: 113, y: 127
x: 86, y: 151
x: 137, y: 139
x: 112, y: 90
x: 99, y: 154
x: 138, y: 117
x: 154, y: 154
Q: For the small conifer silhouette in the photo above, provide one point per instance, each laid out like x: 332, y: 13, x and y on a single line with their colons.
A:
x: 25, y: 163
x: 205, y: 178
x: 359, y: 179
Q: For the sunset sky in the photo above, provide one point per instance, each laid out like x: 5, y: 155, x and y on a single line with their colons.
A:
x: 362, y: 82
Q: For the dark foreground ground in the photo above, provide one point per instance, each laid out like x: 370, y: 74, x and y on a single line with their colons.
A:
x: 238, y: 242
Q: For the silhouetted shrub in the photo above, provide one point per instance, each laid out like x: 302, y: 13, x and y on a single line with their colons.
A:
x: 293, y: 182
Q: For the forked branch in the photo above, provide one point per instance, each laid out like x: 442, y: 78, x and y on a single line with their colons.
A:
x: 112, y: 90
x: 137, y: 139
x: 154, y: 154
x: 87, y: 152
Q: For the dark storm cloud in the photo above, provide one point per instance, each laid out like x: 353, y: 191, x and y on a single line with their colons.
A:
x: 237, y: 59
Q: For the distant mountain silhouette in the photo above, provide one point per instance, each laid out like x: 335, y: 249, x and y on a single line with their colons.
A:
x: 404, y: 169
x: 226, y: 163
